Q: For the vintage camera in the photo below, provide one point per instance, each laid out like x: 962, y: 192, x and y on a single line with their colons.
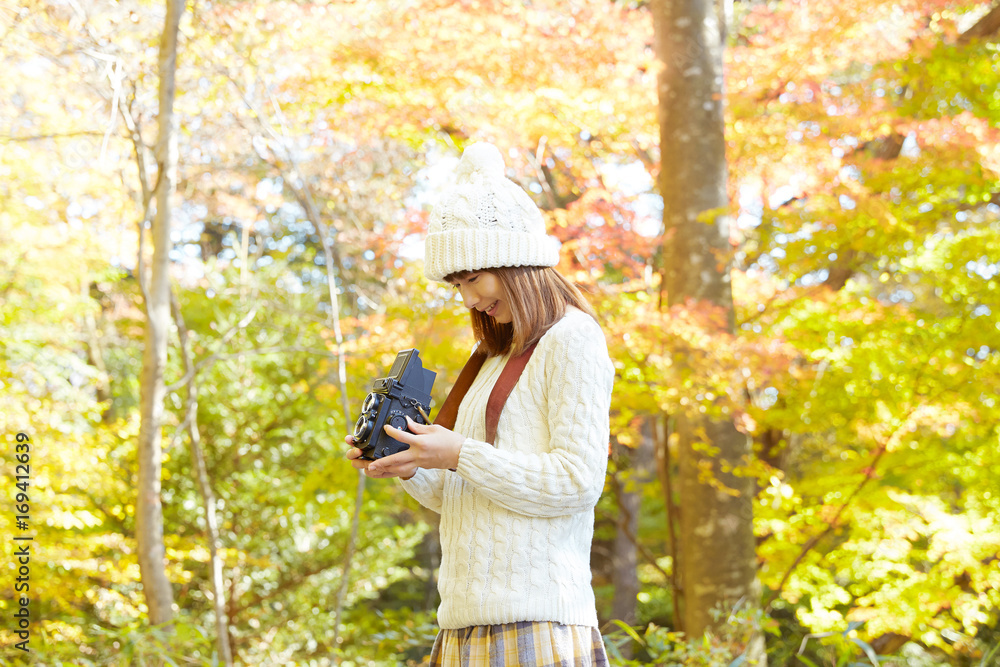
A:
x: 405, y: 392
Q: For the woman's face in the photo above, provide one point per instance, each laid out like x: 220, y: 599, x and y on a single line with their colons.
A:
x: 481, y: 290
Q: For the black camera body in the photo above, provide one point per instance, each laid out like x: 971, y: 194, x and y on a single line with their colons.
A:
x: 404, y: 392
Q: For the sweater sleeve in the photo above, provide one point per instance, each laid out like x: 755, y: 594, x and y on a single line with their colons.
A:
x: 568, y: 476
x: 426, y: 487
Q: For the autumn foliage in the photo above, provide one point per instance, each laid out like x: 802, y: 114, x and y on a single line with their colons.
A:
x: 863, y: 148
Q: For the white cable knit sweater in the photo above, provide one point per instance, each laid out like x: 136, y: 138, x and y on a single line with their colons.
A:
x: 517, y: 519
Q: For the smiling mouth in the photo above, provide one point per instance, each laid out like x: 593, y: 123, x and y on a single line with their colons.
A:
x: 492, y: 310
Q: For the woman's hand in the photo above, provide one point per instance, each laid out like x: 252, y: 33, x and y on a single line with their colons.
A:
x: 353, y: 455
x: 431, y: 446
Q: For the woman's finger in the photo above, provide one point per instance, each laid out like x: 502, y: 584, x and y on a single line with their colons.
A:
x: 393, y: 461
x: 396, y: 464
x: 418, y: 428
x: 401, y: 435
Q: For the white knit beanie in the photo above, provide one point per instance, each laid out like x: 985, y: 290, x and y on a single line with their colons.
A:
x: 485, y: 221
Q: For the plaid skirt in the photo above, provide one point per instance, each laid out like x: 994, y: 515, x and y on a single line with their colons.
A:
x: 524, y: 644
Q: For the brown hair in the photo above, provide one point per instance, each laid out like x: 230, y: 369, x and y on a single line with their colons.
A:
x: 538, y: 296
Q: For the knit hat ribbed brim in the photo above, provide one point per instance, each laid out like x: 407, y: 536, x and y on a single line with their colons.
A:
x: 485, y: 221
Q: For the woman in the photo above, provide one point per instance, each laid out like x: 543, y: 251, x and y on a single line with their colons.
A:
x: 517, y: 514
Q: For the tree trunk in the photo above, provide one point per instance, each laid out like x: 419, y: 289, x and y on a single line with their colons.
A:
x: 717, y: 562
x: 635, y: 470
x: 624, y: 553
x: 149, y: 512
x: 205, y: 487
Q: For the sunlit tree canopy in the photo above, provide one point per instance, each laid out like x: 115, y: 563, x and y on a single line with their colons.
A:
x: 862, y: 152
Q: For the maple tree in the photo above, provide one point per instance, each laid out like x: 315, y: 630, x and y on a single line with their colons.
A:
x: 862, y: 147
x: 717, y: 564
x: 852, y: 238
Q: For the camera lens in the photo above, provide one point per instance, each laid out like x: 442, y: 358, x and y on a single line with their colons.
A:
x: 362, y: 429
x: 372, y: 401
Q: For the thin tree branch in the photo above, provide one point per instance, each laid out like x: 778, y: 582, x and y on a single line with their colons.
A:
x: 985, y: 28
x: 140, y: 267
x: 204, y: 485
x: 55, y: 135
x: 300, y: 575
x: 212, y: 358
x: 535, y: 160
x: 141, y: 153
x: 666, y: 481
x: 834, y: 523
x: 646, y: 553
x: 99, y: 506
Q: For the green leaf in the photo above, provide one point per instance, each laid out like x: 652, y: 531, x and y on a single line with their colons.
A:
x: 869, y: 651
x: 630, y: 631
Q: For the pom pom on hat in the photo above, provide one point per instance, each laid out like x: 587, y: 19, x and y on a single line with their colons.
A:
x: 485, y: 221
x: 482, y: 160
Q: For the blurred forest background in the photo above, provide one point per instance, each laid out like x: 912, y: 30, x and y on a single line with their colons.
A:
x: 860, y: 356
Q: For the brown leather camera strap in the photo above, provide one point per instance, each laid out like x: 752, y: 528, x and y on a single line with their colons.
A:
x: 501, y: 390
x: 448, y: 413
x: 498, y: 397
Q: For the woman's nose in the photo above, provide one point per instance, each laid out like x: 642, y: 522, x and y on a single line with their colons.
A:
x: 468, y: 296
